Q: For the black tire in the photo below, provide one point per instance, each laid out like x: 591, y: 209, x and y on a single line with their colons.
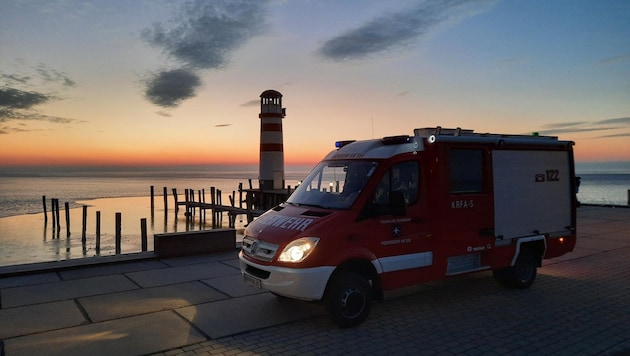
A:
x: 521, y: 275
x: 348, y: 299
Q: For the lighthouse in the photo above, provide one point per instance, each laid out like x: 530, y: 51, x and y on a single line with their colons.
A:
x: 271, y: 165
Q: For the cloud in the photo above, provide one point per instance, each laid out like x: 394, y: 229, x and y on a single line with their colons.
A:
x: 169, y: 88
x: 564, y: 125
x: 15, y: 79
x: 19, y: 102
x: 399, y: 29
x: 586, y: 126
x: 18, y: 105
x: 54, y: 76
x: 254, y: 102
x: 205, y: 33
x: 626, y: 134
x: 11, y: 98
x: 614, y: 60
x: 222, y: 125
x: 620, y: 120
x: 202, y: 36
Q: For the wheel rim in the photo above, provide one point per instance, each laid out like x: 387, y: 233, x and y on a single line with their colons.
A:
x: 352, y: 302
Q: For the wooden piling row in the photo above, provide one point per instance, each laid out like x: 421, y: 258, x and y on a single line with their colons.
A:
x: 251, y: 205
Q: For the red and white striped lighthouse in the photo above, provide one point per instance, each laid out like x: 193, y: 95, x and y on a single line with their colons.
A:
x: 271, y: 165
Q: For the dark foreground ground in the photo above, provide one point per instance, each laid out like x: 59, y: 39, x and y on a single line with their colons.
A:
x: 579, y: 305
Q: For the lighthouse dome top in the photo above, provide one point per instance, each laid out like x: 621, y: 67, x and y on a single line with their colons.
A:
x: 271, y: 94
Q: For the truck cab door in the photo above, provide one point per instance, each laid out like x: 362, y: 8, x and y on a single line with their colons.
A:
x: 396, y: 222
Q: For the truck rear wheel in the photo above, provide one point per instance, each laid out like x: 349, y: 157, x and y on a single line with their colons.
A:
x: 348, y: 299
x: 521, y: 275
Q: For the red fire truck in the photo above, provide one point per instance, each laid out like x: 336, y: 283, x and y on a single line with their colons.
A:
x: 381, y: 214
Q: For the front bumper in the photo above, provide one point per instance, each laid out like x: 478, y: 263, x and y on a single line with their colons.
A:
x: 297, y: 283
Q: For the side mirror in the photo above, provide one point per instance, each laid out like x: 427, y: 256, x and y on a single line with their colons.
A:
x: 397, y: 203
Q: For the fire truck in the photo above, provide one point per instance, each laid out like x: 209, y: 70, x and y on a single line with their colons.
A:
x: 381, y: 214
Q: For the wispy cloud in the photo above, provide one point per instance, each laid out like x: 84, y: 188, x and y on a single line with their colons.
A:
x: 614, y: 60
x: 253, y: 102
x: 399, y: 29
x: 54, y: 76
x: 11, y: 98
x: 622, y: 123
x: 620, y: 120
x: 626, y: 134
x: 202, y: 36
x: 22, y: 94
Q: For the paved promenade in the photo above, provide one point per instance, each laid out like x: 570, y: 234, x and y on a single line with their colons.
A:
x: 580, y: 304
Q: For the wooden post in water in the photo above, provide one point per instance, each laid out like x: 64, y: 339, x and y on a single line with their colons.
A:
x: 220, y: 202
x: 213, y: 202
x: 84, y: 226
x: 240, y: 194
x: 186, y: 200
x: 165, y: 203
x: 57, y: 215
x: 45, y: 212
x: 52, y: 213
x: 98, y: 232
x: 175, y: 200
x: 118, y: 232
x: 152, y: 201
x: 67, y: 207
x: 143, y: 233
x: 202, y: 213
x: 200, y: 197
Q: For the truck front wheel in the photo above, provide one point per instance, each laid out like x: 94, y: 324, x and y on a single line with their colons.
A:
x: 521, y: 275
x: 348, y: 299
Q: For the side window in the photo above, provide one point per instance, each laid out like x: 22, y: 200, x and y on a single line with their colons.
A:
x: 403, y: 177
x: 465, y: 171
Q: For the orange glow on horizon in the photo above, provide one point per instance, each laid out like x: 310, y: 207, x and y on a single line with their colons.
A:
x: 117, y: 158
x: 45, y: 154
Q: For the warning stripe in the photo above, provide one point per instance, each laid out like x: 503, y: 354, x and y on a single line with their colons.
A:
x: 271, y: 127
x: 271, y: 147
x: 271, y: 114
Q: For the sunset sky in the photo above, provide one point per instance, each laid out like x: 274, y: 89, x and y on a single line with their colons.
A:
x: 156, y: 82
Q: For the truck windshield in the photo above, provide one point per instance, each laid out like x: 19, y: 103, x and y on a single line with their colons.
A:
x: 333, y: 184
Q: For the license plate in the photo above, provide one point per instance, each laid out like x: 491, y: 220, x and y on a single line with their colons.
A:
x: 253, y: 281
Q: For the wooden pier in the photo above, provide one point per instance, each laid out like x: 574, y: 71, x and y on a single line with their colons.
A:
x: 251, y: 203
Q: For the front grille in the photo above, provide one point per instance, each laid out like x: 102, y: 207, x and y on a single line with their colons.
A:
x: 258, y: 249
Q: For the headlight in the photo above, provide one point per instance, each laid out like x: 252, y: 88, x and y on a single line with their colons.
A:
x: 298, y: 250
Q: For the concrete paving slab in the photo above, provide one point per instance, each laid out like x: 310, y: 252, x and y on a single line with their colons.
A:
x: 29, y: 279
x: 148, y: 300
x: 578, y: 252
x: 188, y: 260
x: 106, y: 269
x: 136, y: 335
x: 600, y: 244
x: 602, y: 230
x: 181, y: 274
x: 232, y: 285
x: 48, y: 292
x: 236, y: 315
x: 39, y: 318
x: 233, y: 263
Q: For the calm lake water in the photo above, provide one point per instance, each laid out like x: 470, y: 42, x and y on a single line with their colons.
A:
x: 24, y: 238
